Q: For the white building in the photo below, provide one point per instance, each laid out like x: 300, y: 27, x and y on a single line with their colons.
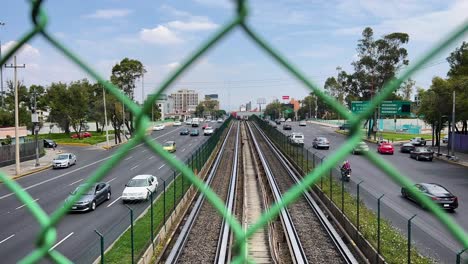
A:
x: 185, y: 101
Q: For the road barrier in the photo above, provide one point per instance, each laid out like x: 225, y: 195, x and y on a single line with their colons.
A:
x: 46, y: 238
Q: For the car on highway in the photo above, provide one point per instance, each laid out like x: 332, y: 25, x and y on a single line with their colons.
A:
x: 287, y: 127
x: 81, y: 135
x: 188, y: 121
x: 321, y: 142
x: 177, y: 123
x: 184, y: 132
x: 220, y: 120
x: 194, y: 133
x: 382, y: 141
x: 282, y: 119
x: 361, y: 147
x: 297, y: 138
x: 97, y: 194
x: 302, y: 123
x: 213, y: 121
x: 278, y: 122
x: 288, y: 120
x: 445, y: 139
x: 64, y: 160
x: 345, y: 126
x: 159, y: 127
x: 385, y: 148
x: 422, y: 153
x: 49, y: 143
x: 436, y: 192
x: 140, y: 188
x: 407, y: 147
x: 204, y: 126
x: 169, y: 146
x: 418, y: 141
x: 208, y: 131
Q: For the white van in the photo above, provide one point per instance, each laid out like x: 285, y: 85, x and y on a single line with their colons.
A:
x: 297, y: 138
x: 195, y: 122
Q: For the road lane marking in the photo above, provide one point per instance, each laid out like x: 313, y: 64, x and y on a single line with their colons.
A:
x: 114, y: 201
x: 19, y: 207
x: 162, y: 166
x: 152, y: 157
x: 112, y: 179
x: 75, y: 182
x: 60, y: 242
x: 7, y: 238
x: 129, y: 158
x: 132, y: 168
x: 183, y: 150
x: 75, y: 170
x: 190, y: 144
x: 144, y: 150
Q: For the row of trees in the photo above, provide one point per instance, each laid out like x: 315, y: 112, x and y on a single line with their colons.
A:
x: 208, y: 108
x: 76, y: 103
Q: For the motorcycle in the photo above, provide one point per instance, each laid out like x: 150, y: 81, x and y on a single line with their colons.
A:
x: 345, y: 174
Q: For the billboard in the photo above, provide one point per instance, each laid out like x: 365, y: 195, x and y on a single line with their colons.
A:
x: 285, y: 97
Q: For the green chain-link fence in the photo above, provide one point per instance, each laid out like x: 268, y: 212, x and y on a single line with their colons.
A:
x: 47, y: 236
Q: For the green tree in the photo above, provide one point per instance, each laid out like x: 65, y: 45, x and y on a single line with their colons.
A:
x: 458, y: 61
x: 200, y: 109
x: 58, y: 103
x: 124, y: 75
x: 274, y: 110
x: 77, y: 112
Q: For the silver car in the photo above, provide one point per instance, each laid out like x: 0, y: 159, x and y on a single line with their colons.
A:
x: 361, y: 147
x: 302, y: 123
x: 64, y: 160
x: 321, y: 142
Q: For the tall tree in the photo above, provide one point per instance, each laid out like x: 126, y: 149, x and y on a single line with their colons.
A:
x: 77, y: 112
x: 406, y: 89
x: 59, y: 102
x: 124, y: 75
x: 458, y: 61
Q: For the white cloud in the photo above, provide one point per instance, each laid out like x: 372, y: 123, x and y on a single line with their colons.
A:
x: 173, y: 65
x: 27, y: 51
x: 109, y: 13
x: 215, y: 3
x: 160, y: 35
x: 192, y: 25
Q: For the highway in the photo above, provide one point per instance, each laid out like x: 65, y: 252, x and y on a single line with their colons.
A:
x: 431, y: 238
x: 75, y: 232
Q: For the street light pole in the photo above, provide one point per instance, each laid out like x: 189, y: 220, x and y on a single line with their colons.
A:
x: 1, y: 69
x: 35, y: 121
x: 452, y: 141
x: 105, y: 115
x: 17, y: 150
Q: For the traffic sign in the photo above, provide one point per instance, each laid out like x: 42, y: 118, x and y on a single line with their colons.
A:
x: 387, y: 108
x: 358, y: 106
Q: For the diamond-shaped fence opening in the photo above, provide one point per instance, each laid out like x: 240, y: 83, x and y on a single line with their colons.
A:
x: 47, y: 237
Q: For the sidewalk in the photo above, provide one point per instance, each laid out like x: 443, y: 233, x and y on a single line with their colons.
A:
x: 460, y: 158
x: 29, y: 167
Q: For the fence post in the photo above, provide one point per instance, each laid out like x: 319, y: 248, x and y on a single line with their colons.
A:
x: 307, y: 165
x: 342, y: 196
x: 164, y: 204
x: 131, y: 234
x: 409, y: 238
x: 174, y: 182
x: 459, y: 255
x: 358, y: 201
x: 321, y: 177
x: 302, y: 158
x: 331, y: 184
x: 191, y: 161
x: 378, y: 227
x: 151, y: 214
x: 102, y: 245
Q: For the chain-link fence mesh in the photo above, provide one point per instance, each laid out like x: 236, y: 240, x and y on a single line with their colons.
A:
x: 48, y: 235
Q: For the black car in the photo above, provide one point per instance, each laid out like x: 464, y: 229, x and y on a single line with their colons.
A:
x: 194, y: 132
x: 49, y: 143
x: 422, y: 153
x: 97, y: 194
x: 184, y: 131
x: 407, y: 148
x: 287, y: 127
x: 345, y: 126
x: 436, y: 192
x: 278, y: 122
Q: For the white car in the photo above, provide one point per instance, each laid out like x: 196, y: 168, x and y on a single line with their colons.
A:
x: 64, y: 160
x: 208, y: 131
x: 140, y: 188
x: 213, y: 121
x: 188, y: 121
x: 220, y: 120
x: 177, y: 123
x: 302, y: 123
x: 288, y: 120
x: 158, y: 127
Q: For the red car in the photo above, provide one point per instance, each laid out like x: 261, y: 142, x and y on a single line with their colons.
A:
x: 82, y: 135
x: 204, y: 126
x: 385, y: 148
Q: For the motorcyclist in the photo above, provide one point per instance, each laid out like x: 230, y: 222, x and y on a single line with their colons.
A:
x: 346, y: 167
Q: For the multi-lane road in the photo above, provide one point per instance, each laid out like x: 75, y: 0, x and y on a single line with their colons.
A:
x: 428, y: 233
x: 75, y: 232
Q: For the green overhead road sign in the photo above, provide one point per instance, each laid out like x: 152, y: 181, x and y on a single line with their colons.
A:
x: 387, y: 108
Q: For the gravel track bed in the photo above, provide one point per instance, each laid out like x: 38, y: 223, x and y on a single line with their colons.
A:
x: 318, y: 247
x: 202, y: 242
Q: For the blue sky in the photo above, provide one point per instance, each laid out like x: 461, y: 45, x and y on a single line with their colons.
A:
x: 317, y: 36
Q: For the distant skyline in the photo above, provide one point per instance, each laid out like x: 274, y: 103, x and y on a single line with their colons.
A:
x: 316, y: 36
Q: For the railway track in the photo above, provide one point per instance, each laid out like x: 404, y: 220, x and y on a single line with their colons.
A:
x: 317, y: 240
x: 249, y: 174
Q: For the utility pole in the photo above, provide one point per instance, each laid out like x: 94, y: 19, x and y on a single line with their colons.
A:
x: 452, y: 141
x: 1, y: 70
x: 105, y: 115
x: 17, y: 150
